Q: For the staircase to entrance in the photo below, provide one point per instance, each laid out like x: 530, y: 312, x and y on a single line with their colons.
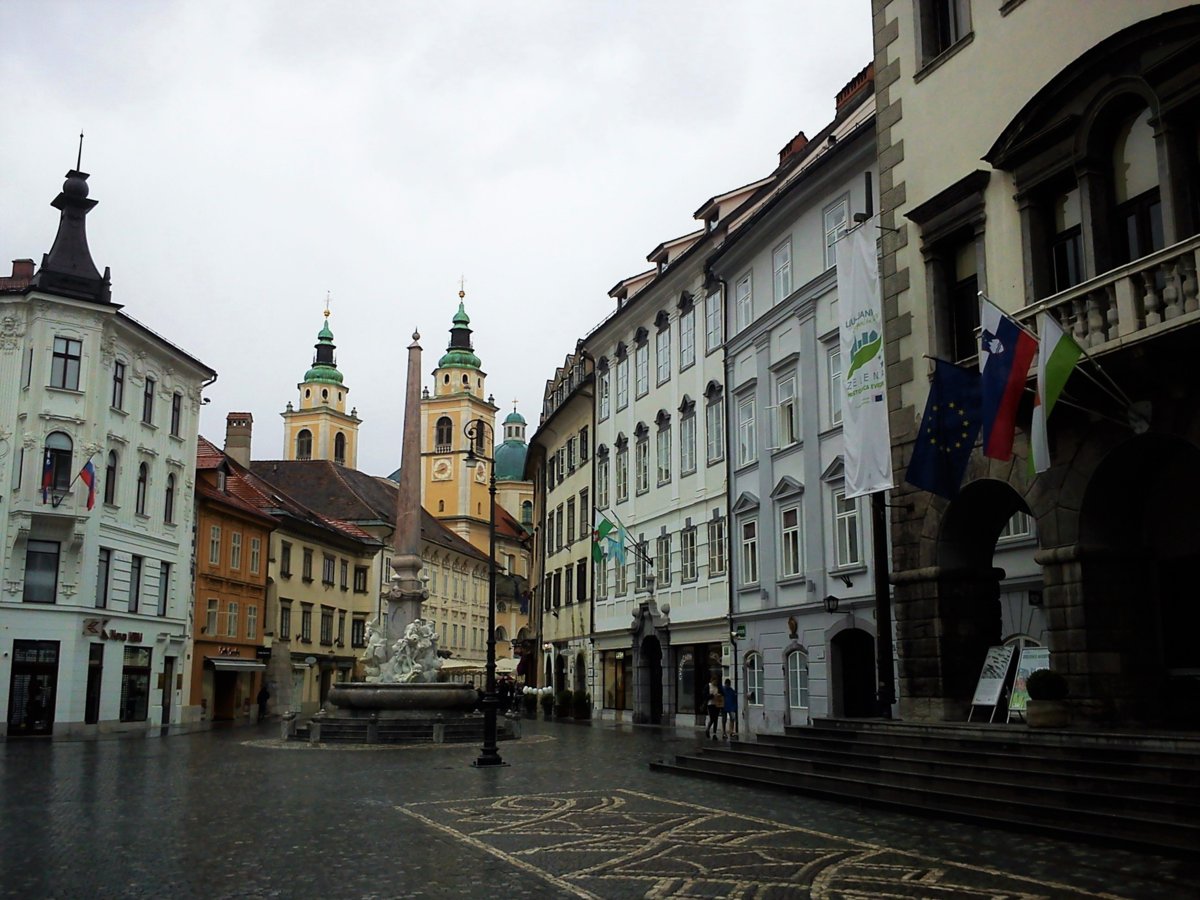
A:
x: 1135, y: 789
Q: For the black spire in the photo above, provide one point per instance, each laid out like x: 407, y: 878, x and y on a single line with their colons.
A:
x: 68, y: 269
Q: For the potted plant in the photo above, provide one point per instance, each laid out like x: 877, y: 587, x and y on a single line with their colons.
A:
x: 547, y: 706
x: 562, y: 704
x: 529, y: 704
x: 1046, y: 707
x: 581, y: 705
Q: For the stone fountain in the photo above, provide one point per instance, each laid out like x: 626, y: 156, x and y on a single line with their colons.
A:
x: 401, y: 699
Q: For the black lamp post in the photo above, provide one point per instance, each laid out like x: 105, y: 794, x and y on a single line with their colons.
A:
x: 477, y: 432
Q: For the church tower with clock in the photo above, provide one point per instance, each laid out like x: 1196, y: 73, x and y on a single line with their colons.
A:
x: 451, y: 491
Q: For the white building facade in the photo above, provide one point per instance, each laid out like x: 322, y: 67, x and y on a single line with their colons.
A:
x: 803, y: 589
x: 95, y: 604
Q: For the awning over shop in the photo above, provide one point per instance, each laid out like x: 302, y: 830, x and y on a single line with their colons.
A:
x: 229, y: 664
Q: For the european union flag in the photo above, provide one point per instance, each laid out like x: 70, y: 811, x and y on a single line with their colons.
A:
x: 948, y: 430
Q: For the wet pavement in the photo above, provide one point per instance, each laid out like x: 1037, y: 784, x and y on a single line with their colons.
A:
x: 577, y: 813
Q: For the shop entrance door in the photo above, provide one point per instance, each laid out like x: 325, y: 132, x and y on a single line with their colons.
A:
x: 32, y: 688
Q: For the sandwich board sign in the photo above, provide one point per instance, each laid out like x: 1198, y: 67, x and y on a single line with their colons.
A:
x: 1030, y: 660
x: 991, y: 680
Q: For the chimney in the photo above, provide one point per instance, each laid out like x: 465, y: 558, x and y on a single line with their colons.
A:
x: 238, y: 426
x: 22, y: 268
x: 792, y: 147
x: 863, y: 81
x: 22, y: 274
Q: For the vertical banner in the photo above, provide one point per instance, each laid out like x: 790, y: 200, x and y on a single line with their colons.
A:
x: 867, y: 441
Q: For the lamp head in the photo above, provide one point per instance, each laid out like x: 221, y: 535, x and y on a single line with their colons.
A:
x: 831, y: 603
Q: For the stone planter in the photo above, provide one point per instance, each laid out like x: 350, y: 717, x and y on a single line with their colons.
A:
x: 1045, y: 713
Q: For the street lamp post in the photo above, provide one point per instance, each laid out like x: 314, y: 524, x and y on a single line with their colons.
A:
x: 477, y: 433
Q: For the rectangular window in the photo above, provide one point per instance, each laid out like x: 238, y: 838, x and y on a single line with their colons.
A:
x: 585, y: 515
x: 623, y: 383
x: 135, y: 685
x: 602, y: 401
x: 743, y: 302
x: 326, y: 625
x: 255, y: 555
x: 622, y: 475
x: 791, y: 560
x: 569, y: 582
x: 41, y: 571
x: 940, y: 25
x: 641, y: 566
x: 360, y: 579
x: 148, y: 401
x: 328, y: 564
x: 210, y: 618
x: 714, y: 322
x: 581, y: 582
x: 358, y: 632
x: 687, y: 444
x: 102, y: 568
x: 118, y: 385
x: 306, y: 565
x: 641, y: 464
x: 662, y: 355
x: 558, y: 528
x: 687, y: 339
x: 687, y: 555
x: 285, y: 621
x: 747, y: 436
x: 251, y: 623
x: 834, y: 216
x: 164, y: 587
x: 344, y: 575
x: 214, y: 545
x: 550, y: 548
x: 571, y: 521
x: 787, y: 424
x: 662, y: 559
x: 285, y: 559
x: 1019, y: 525
x: 835, y: 386
x: 750, y: 552
x: 663, y: 455
x: 714, y: 426
x: 845, y: 520
x: 781, y: 266
x: 306, y: 623
x: 716, y: 547
x: 135, y: 583
x: 235, y: 550
x: 571, y: 455
x: 341, y: 633
x: 641, y: 370
x: 602, y: 482
x: 583, y: 444
x: 602, y: 580
x: 27, y: 369
x: 176, y: 413
x: 64, y: 370
x: 620, y: 579
x: 232, y: 619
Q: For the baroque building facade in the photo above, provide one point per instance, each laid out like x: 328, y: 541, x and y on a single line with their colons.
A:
x: 1071, y: 191
x: 97, y: 589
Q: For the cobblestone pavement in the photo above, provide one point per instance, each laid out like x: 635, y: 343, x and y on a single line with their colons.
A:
x: 577, y: 814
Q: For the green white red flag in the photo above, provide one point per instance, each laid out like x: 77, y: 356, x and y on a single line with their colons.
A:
x: 1058, y: 355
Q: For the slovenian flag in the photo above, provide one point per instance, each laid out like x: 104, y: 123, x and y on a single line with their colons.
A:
x: 1058, y: 355
x: 47, y: 476
x: 1005, y: 354
x: 88, y: 476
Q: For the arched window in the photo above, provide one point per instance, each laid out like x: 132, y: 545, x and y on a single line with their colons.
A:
x: 754, y: 679
x: 1139, y: 224
x: 110, y: 477
x: 501, y: 635
x: 56, y: 468
x: 142, y: 482
x: 527, y: 512
x: 441, y: 506
x: 339, y: 448
x: 304, y: 445
x: 443, y: 434
x: 169, y: 500
x: 797, y: 675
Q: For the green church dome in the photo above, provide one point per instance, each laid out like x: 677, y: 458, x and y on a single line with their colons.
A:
x: 510, y: 461
x: 324, y: 368
x: 515, y: 418
x: 460, y: 354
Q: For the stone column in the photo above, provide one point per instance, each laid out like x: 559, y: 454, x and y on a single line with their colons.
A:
x: 406, y: 593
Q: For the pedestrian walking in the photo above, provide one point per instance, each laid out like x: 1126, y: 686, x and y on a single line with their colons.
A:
x: 263, y: 696
x: 716, y: 700
x: 729, y: 712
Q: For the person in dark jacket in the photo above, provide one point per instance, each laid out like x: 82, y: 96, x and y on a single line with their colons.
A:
x: 729, y: 713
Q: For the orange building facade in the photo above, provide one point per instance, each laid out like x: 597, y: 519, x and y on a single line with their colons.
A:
x: 229, y: 645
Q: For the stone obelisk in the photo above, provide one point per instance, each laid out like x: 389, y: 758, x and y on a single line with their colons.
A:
x: 406, y: 593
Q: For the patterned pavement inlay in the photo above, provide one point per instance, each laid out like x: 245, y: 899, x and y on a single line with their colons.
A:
x: 625, y: 843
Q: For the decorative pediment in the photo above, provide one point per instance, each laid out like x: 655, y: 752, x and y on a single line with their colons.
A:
x: 602, y: 364
x: 601, y: 451
x: 688, y: 406
x: 662, y: 321
x: 641, y: 430
x: 641, y: 336
x: 663, y: 419
x: 621, y: 442
x: 836, y: 470
x: 787, y: 487
x: 622, y: 351
x: 686, y: 301
x: 712, y: 391
x: 747, y: 502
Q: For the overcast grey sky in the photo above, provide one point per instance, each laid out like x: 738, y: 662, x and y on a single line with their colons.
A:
x: 248, y: 157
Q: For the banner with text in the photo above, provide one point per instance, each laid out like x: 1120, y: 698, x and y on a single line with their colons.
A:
x: 867, y: 442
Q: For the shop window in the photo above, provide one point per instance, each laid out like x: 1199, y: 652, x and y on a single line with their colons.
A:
x: 754, y: 679
x: 135, y: 684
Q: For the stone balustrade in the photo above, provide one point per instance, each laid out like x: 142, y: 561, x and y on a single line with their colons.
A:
x: 1131, y: 301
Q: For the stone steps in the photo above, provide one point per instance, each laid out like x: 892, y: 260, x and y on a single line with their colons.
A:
x: 1119, y: 788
